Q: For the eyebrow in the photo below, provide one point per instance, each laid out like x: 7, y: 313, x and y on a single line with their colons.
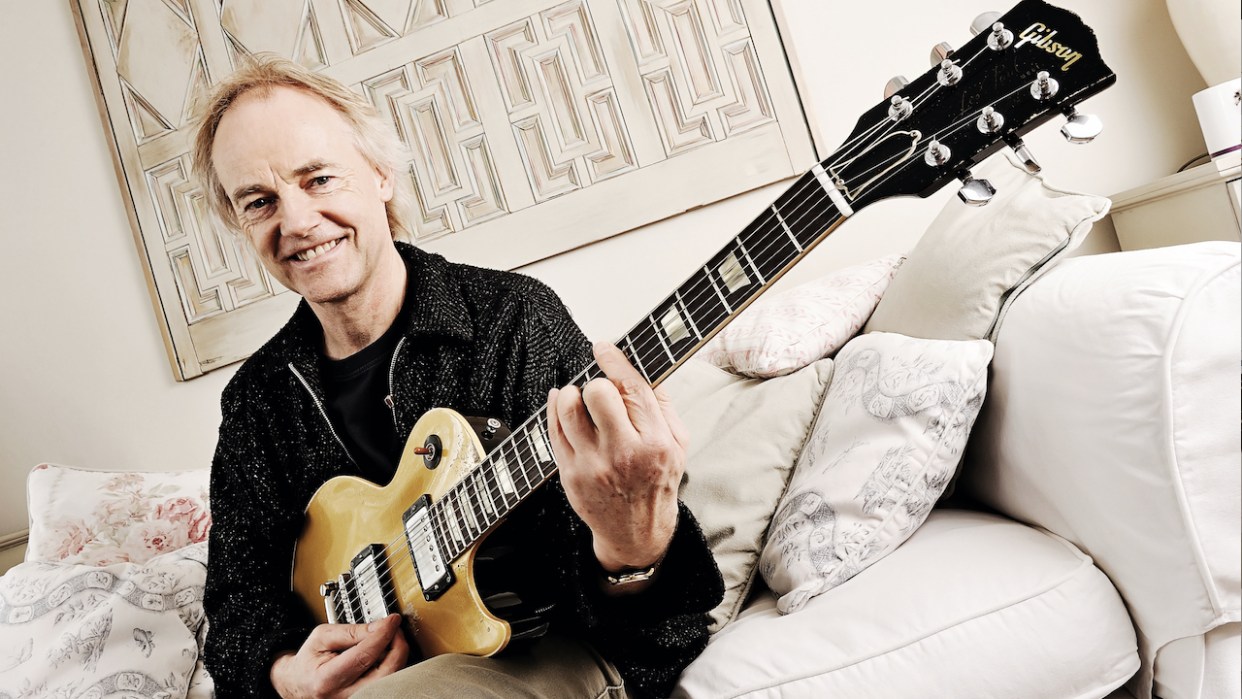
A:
x: 313, y: 166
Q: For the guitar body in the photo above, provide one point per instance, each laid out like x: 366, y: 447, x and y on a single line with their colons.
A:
x: 347, y: 514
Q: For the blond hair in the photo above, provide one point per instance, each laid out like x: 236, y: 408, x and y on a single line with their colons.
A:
x: 373, y: 135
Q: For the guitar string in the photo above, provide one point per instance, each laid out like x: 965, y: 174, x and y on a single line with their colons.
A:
x: 477, y: 512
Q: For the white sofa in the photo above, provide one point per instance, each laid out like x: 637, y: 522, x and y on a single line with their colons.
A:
x: 1093, y: 540
x: 1106, y: 459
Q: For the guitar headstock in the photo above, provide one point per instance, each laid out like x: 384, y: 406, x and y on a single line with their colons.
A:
x: 1034, y: 63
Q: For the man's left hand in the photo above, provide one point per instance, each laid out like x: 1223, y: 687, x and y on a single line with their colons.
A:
x: 621, y: 450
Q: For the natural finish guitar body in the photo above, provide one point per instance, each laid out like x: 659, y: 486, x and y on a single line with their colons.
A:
x: 348, y: 514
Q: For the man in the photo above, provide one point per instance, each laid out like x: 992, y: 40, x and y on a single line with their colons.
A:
x: 306, y: 171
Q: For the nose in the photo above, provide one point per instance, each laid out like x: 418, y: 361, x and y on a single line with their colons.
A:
x: 298, y: 216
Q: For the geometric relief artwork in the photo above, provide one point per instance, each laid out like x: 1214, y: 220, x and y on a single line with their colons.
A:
x: 532, y: 127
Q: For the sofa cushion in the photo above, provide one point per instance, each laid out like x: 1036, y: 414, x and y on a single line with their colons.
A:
x: 971, y: 606
x: 972, y: 262
x: 887, y: 439
x: 784, y: 332
x: 119, y: 630
x: 104, y: 517
x: 1112, y: 420
x: 745, y: 435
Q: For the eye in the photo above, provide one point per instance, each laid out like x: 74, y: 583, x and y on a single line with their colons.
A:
x: 257, y: 204
x: 321, y: 180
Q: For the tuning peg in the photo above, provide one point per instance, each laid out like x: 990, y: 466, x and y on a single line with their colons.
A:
x: 1025, y: 156
x: 895, y: 85
x: 1044, y: 87
x: 983, y: 22
x: 1001, y: 38
x: 975, y: 192
x: 937, y: 154
x: 1081, y: 128
x: 949, y: 74
x: 990, y: 121
x: 900, y: 108
x: 940, y: 52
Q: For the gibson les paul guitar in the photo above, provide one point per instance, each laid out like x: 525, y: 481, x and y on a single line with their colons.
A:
x: 411, y: 546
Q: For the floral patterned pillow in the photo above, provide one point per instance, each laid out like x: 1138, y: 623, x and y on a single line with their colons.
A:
x: 123, y: 630
x: 99, y: 518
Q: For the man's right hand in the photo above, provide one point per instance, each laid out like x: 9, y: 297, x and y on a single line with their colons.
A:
x: 339, y: 659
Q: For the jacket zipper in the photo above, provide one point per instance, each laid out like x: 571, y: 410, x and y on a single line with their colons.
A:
x: 388, y: 399
x: 324, y: 413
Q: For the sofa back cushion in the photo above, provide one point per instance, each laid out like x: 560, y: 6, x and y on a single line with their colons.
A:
x: 1112, y: 421
x: 99, y: 518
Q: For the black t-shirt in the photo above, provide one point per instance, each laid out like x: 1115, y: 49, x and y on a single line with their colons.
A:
x: 355, y: 389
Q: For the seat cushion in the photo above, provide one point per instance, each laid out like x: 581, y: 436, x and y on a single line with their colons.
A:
x: 972, y: 605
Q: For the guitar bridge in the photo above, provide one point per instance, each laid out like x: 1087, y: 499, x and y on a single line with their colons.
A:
x: 434, y: 574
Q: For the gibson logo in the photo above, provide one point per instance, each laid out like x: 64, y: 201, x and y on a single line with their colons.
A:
x: 1034, y: 36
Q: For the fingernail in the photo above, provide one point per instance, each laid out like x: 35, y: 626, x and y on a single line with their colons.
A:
x: 601, y: 346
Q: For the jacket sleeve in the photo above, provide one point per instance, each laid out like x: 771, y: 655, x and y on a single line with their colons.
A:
x: 252, y: 613
x: 651, y: 637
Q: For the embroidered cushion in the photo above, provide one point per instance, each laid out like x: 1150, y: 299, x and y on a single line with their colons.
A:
x: 780, y: 334
x: 119, y: 630
x: 886, y: 441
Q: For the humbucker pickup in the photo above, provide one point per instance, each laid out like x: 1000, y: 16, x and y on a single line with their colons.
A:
x: 434, y: 574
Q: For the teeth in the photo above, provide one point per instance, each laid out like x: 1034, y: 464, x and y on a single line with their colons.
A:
x: 316, y: 252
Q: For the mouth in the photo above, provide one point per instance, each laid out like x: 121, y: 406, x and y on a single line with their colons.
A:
x: 312, y: 253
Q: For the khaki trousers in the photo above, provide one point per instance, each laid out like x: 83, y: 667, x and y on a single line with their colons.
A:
x: 553, y: 668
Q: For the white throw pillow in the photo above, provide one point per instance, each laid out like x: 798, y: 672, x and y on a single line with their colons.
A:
x: 104, y: 517
x: 745, y: 435
x: 885, y: 444
x: 783, y: 333
x: 119, y: 630
x: 958, y: 281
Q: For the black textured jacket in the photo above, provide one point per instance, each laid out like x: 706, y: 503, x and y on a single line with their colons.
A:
x: 481, y: 342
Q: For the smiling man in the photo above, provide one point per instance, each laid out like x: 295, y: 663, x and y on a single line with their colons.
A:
x: 307, y: 172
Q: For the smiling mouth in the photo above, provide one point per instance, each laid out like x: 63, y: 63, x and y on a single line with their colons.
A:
x: 311, y: 254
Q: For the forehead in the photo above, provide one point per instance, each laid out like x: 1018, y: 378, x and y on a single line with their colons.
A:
x: 274, y: 134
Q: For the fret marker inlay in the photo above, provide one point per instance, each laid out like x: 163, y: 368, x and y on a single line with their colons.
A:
x: 674, y: 326
x: 732, y: 274
x: 503, y: 478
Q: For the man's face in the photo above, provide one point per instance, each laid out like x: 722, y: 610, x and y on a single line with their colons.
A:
x: 309, y: 202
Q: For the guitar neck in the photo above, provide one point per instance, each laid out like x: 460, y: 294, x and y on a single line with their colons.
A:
x: 711, y: 297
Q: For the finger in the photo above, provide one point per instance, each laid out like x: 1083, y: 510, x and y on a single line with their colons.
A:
x: 560, y: 445
x: 395, y: 659
x: 671, y: 418
x: 332, y: 638
x: 614, y: 363
x: 357, y: 661
x: 575, y: 423
x: 610, y: 411
x: 644, y: 411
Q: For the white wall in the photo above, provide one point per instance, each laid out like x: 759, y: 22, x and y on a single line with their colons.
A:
x: 84, y: 379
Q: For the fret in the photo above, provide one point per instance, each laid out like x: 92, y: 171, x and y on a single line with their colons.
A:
x: 450, y: 520
x: 632, y: 355
x: 650, y: 349
x: 539, y: 443
x: 504, y: 479
x: 723, y: 301
x: 689, y: 317
x: 736, y: 278
x: 807, y: 209
x: 749, y: 259
x: 785, y: 227
x: 704, y: 305
x: 675, y: 328
x: 661, y: 337
x: 524, y: 485
x: 484, y: 490
x: 767, y: 246
x: 465, y: 513
x: 479, y: 499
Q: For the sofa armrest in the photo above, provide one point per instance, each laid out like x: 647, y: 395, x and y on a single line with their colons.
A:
x: 1113, y: 421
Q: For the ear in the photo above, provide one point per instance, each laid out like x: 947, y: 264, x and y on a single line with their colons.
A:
x: 387, y: 183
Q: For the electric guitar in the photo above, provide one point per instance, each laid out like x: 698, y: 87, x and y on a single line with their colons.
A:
x: 411, y: 546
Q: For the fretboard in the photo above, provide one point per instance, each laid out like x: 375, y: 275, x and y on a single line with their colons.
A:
x: 711, y: 297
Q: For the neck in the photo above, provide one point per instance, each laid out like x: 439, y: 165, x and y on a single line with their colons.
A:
x: 355, y: 322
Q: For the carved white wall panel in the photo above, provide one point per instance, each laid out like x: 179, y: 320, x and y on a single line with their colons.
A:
x: 532, y: 126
